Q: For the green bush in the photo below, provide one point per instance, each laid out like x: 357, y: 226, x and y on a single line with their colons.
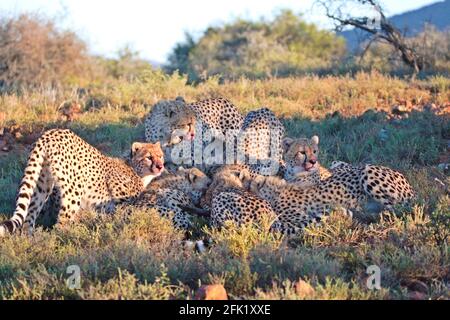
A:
x: 279, y: 47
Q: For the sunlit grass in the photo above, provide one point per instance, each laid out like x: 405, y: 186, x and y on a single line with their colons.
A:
x: 141, y: 257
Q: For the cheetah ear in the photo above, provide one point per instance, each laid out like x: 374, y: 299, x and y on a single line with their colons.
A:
x: 287, y: 142
x: 180, y: 169
x: 170, y: 113
x: 135, y: 147
x: 315, y: 139
x: 180, y: 99
x: 243, y: 175
x: 192, y: 177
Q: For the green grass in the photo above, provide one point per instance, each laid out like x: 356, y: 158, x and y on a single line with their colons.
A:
x: 141, y: 257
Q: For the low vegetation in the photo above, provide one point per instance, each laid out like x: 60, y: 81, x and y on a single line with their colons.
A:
x: 47, y: 80
x: 365, y: 118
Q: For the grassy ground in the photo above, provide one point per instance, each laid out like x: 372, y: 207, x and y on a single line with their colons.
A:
x: 141, y: 257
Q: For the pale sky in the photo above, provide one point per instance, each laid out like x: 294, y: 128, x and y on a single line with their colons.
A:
x: 153, y: 27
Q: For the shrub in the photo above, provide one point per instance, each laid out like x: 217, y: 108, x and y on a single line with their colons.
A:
x: 34, y: 52
x: 286, y: 45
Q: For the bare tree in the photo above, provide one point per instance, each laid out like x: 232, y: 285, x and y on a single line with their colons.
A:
x: 377, y: 26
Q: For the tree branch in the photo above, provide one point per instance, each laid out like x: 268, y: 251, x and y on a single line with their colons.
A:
x: 387, y: 31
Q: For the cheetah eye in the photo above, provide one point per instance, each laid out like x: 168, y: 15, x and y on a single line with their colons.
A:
x: 315, y: 151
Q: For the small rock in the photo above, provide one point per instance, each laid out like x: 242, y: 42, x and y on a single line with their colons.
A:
x: 6, y: 147
x: 304, y: 289
x: 211, y: 292
x: 200, y: 245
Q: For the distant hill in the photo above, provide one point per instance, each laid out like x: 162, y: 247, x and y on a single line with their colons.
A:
x: 411, y: 22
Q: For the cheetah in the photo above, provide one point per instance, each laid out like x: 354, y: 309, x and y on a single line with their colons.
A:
x: 301, y: 165
x: 226, y: 200
x: 218, y: 114
x: 169, y: 122
x: 192, y: 181
x: 260, y: 141
x: 224, y: 177
x: 346, y: 188
x: 172, y: 192
x: 178, y: 124
x: 384, y: 185
x: 377, y: 182
x: 231, y: 199
x: 169, y: 204
x: 84, y: 177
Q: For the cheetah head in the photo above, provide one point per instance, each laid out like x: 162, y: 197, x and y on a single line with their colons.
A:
x: 198, y: 180
x: 147, y: 160
x: 300, y: 155
x: 181, y: 122
x: 266, y: 187
x: 223, y: 177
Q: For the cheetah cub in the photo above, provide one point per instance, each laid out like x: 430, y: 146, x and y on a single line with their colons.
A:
x: 384, y: 185
x: 83, y: 176
x: 308, y: 190
x: 302, y: 166
x: 227, y: 199
x: 170, y: 193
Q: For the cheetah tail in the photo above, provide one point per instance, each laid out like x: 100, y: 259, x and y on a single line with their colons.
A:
x: 26, y: 191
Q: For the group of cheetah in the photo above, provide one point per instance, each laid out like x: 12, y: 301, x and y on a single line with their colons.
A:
x: 277, y: 178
